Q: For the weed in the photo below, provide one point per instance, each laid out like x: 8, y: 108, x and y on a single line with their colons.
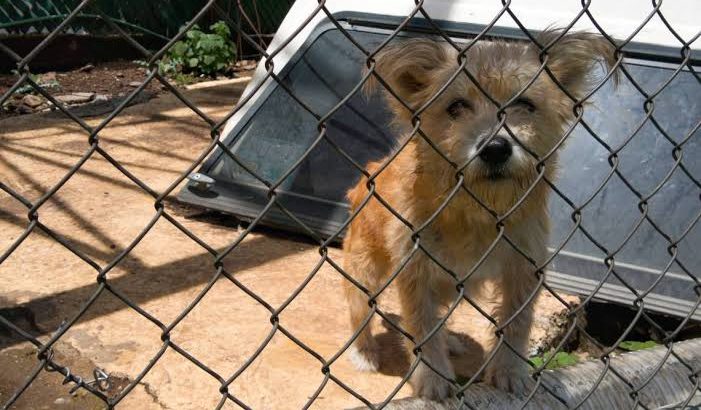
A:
x: 200, y: 53
x: 560, y: 359
x: 633, y: 346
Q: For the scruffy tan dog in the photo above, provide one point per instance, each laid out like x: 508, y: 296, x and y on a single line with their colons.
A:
x: 419, y: 180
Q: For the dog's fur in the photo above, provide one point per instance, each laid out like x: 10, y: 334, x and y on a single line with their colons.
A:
x: 419, y: 180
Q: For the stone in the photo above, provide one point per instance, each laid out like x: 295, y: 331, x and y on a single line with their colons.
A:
x: 76, y: 98
x: 103, y: 104
x: 32, y: 101
x: 23, y: 109
x: 12, y: 104
x: 89, y: 95
x: 48, y: 77
x: 86, y: 68
x: 244, y: 65
x: 135, y: 84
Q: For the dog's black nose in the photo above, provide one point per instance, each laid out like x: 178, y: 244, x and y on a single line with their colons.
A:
x: 497, y: 151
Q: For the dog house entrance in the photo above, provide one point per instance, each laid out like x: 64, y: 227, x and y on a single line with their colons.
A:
x: 274, y: 133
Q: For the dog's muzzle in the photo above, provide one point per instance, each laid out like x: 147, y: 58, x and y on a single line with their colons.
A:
x: 497, y: 151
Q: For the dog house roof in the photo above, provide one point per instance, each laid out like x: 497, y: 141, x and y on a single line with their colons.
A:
x: 320, y: 66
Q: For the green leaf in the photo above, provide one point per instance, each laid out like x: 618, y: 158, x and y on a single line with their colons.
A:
x: 633, y: 346
x: 563, y: 359
x: 194, y: 32
x: 537, y: 361
x: 220, y: 28
x: 205, y: 44
x: 193, y: 62
x: 179, y: 48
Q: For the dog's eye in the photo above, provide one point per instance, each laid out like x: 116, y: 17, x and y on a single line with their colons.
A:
x: 525, y: 103
x: 457, y: 107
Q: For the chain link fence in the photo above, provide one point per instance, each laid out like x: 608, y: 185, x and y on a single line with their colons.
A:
x: 159, y: 20
x: 371, y: 195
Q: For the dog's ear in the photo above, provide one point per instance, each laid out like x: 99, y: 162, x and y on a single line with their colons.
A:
x: 573, y: 56
x: 407, y: 68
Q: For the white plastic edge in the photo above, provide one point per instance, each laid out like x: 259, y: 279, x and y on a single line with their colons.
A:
x: 619, y: 18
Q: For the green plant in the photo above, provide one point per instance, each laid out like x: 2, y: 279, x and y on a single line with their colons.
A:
x: 560, y: 359
x: 200, y: 53
x: 633, y: 346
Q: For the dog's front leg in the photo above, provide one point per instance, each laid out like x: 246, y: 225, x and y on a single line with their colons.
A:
x: 420, y: 306
x: 507, y: 371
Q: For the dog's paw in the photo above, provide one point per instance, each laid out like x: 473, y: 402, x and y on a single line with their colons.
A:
x: 456, y: 346
x: 429, y: 385
x: 512, y: 379
x: 366, y: 359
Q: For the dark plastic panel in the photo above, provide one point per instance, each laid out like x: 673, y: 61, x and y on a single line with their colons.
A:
x: 274, y: 135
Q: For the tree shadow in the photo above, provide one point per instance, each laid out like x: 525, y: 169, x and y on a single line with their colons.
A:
x: 143, y: 283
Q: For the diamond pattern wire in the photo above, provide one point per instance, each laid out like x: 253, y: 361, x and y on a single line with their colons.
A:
x: 46, y: 360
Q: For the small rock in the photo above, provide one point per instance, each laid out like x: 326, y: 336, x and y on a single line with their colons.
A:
x: 32, y: 101
x: 86, y: 68
x: 245, y: 65
x: 23, y: 109
x: 13, y: 103
x: 61, y: 400
x: 89, y: 96
x: 7, y: 107
x: 75, y: 98
x: 120, y: 75
x: 48, y: 77
x: 135, y: 84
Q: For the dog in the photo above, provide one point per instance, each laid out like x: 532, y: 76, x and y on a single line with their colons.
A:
x: 461, y: 183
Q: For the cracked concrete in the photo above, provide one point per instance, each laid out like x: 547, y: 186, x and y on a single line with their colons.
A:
x: 154, y: 395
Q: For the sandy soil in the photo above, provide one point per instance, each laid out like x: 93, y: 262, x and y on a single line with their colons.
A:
x: 100, y: 212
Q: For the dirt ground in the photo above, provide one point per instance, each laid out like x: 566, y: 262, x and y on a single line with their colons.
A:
x: 105, y: 78
x: 101, y: 212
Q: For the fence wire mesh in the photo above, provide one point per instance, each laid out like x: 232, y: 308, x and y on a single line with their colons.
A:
x: 95, y: 384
